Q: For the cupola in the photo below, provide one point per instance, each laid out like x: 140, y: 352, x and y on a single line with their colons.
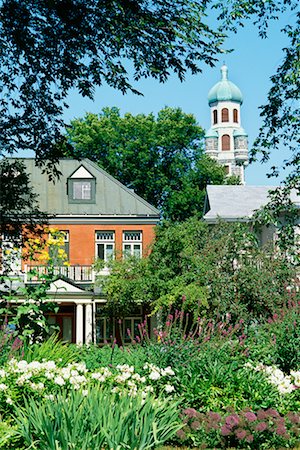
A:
x: 224, y: 90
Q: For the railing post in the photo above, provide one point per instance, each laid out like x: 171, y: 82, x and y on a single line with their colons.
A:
x: 79, y: 324
x: 88, y: 324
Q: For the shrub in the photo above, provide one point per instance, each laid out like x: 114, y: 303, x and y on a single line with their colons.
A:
x: 111, y: 355
x: 286, y: 331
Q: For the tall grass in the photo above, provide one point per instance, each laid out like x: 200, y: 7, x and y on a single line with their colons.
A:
x: 96, y: 421
x: 52, y: 349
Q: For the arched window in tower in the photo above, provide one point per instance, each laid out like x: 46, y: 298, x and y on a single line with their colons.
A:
x: 225, y: 142
x: 235, y: 115
x: 215, y: 114
x: 225, y: 115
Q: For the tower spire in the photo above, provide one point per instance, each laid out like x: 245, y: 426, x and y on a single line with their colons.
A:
x: 224, y: 72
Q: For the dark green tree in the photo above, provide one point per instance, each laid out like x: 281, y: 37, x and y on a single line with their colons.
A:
x: 20, y: 214
x: 161, y: 157
x: 49, y: 47
x: 19, y: 205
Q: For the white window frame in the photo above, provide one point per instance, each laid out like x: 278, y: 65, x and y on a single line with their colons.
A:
x: 132, y: 238
x: 86, y: 190
x: 105, y: 238
x: 133, y: 333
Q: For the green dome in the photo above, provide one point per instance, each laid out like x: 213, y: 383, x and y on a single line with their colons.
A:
x: 240, y: 132
x: 224, y: 90
x: 211, y: 133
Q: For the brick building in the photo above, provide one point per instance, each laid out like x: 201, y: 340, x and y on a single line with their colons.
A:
x: 101, y: 218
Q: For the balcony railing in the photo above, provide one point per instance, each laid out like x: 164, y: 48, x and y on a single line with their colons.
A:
x: 241, y: 155
x: 78, y: 274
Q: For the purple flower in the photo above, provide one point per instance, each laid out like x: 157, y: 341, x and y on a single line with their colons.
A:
x: 214, y: 416
x: 240, y: 434
x: 181, y: 434
x: 195, y: 425
x: 225, y: 431
x: 249, y: 438
x: 250, y: 416
x: 191, y: 412
x: 272, y: 412
x: 262, y: 426
x: 294, y: 418
x: 281, y: 430
x: 232, y: 421
x: 262, y: 415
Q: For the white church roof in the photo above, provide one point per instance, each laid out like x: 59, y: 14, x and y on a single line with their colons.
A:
x: 232, y: 203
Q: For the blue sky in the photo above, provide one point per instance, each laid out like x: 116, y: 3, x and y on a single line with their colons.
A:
x: 250, y: 66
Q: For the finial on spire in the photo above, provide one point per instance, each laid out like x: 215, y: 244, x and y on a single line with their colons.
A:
x: 224, y: 72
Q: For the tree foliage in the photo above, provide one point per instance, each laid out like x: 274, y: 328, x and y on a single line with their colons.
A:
x: 19, y: 211
x: 159, y: 157
x: 50, y: 47
x: 216, y: 271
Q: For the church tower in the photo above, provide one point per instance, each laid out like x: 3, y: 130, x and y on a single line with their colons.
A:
x: 226, y: 141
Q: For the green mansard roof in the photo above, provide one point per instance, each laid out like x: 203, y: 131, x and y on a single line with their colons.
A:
x: 111, y: 198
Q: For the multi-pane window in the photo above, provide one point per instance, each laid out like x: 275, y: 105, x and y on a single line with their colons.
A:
x: 130, y: 328
x: 105, y: 329
x: 105, y: 245
x: 82, y: 190
x: 225, y: 142
x: 215, y: 116
x: 235, y: 115
x: 225, y: 115
x: 132, y: 244
x: 123, y: 330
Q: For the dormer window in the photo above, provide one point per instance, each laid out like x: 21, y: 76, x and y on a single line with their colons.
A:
x: 82, y: 190
x: 81, y: 186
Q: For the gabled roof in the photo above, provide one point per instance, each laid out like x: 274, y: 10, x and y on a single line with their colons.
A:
x: 237, y: 203
x: 112, y: 198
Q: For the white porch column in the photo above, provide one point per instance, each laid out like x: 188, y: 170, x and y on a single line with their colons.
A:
x: 88, y: 324
x: 79, y: 324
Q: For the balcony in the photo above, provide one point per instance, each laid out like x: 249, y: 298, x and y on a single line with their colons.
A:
x: 241, y: 156
x: 78, y: 274
x: 212, y: 153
